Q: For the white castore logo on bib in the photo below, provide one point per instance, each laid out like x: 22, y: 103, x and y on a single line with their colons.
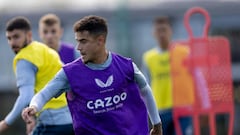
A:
x: 104, y: 85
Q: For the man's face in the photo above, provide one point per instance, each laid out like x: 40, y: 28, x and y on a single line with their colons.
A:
x: 18, y: 39
x: 50, y: 35
x: 88, y: 45
x: 163, y: 33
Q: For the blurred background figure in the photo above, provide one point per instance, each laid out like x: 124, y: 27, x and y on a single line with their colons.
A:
x: 50, y: 32
x: 130, y: 34
x: 34, y: 65
x: 156, y: 65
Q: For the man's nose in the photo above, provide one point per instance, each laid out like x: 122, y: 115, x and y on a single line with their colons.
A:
x: 48, y: 35
x: 79, y: 47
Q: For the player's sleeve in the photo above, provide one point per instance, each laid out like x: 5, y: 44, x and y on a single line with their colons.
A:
x: 54, y: 88
x: 25, y: 77
x: 146, y: 93
x: 145, y: 71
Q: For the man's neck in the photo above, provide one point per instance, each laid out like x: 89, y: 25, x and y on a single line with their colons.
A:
x: 56, y: 47
x: 29, y: 42
x: 101, y: 58
x: 101, y: 66
x: 164, y: 46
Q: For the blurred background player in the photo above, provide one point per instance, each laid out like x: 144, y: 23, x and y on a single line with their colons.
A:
x: 156, y: 66
x: 104, y: 86
x: 50, y: 32
x: 34, y: 65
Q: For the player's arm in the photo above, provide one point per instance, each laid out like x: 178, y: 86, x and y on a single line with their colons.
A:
x: 145, y: 71
x: 25, y: 77
x: 54, y: 88
x: 146, y: 93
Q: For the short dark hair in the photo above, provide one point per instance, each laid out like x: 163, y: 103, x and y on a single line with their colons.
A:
x: 95, y: 25
x: 19, y: 22
x: 50, y: 20
x: 162, y: 20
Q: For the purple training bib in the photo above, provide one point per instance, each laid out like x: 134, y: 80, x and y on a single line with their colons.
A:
x: 106, y: 102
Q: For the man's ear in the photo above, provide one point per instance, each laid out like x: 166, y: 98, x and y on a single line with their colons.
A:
x: 101, y: 40
x: 29, y: 35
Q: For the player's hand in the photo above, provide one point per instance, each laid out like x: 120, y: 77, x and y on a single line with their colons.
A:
x: 29, y: 113
x: 157, y: 129
x: 3, y: 126
x: 30, y: 126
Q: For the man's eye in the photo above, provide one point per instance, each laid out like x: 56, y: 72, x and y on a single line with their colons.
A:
x: 53, y: 31
x: 15, y: 36
x: 83, y: 41
x: 45, y: 31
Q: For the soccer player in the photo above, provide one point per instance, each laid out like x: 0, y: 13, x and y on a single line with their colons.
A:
x: 156, y: 67
x: 34, y: 65
x: 50, y: 32
x: 109, y: 95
